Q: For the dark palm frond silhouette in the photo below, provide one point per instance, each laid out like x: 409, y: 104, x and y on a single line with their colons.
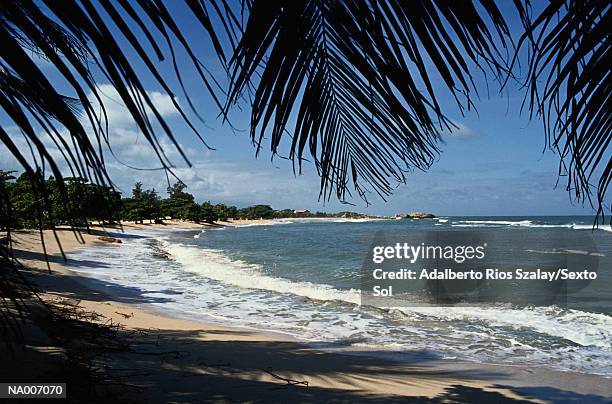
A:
x: 357, y: 83
x: 569, y: 86
x: 76, y: 38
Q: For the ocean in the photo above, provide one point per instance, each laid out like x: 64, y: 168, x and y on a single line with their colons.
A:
x: 303, y: 278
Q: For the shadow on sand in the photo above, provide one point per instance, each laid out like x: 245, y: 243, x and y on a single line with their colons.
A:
x: 221, y: 365
x: 181, y: 366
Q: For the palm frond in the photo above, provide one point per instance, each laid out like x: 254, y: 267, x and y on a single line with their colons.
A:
x: 74, y: 37
x: 569, y: 85
x: 356, y: 84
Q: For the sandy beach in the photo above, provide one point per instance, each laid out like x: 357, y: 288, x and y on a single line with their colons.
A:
x: 174, y: 360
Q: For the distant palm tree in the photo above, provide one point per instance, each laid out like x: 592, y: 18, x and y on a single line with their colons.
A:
x: 352, y: 85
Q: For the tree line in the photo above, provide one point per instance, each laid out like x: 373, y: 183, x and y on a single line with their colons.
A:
x: 79, y: 203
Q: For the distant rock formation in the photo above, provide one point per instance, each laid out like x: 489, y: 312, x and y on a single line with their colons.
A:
x: 415, y: 215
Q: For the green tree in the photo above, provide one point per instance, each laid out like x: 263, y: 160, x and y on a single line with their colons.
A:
x: 208, y: 212
x: 221, y: 212
x: 151, y: 205
x: 232, y: 212
x: 106, y: 203
x: 257, y: 212
x: 7, y: 218
x: 26, y: 201
x: 179, y: 203
x: 81, y: 201
x: 133, y: 208
x: 137, y: 191
x: 192, y: 212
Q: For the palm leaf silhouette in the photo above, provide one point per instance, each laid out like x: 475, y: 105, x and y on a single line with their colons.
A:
x: 569, y: 88
x: 355, y: 85
x: 71, y: 36
x: 353, y: 82
x: 76, y: 38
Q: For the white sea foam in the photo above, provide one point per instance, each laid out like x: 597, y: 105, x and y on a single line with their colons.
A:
x: 204, y: 231
x: 567, y: 251
x: 526, y: 223
x: 506, y: 222
x: 199, y: 283
x: 568, y: 324
x: 604, y: 227
x: 214, y: 265
x: 360, y: 220
x: 587, y: 329
x: 264, y: 223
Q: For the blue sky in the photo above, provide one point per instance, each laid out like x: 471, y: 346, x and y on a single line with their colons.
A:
x: 492, y: 165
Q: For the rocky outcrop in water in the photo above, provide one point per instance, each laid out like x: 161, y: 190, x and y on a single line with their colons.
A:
x: 415, y: 215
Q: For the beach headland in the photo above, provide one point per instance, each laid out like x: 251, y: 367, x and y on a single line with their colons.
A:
x: 175, y: 360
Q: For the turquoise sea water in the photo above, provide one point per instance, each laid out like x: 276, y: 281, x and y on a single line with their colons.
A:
x: 303, y: 278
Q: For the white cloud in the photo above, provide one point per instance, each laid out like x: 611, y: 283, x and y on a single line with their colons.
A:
x: 235, y: 182
x: 118, y: 114
x: 460, y: 131
x: 124, y: 137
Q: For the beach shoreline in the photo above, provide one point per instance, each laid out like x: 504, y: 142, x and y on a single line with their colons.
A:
x: 257, y: 359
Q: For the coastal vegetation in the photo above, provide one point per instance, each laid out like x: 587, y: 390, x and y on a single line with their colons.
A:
x: 28, y: 207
